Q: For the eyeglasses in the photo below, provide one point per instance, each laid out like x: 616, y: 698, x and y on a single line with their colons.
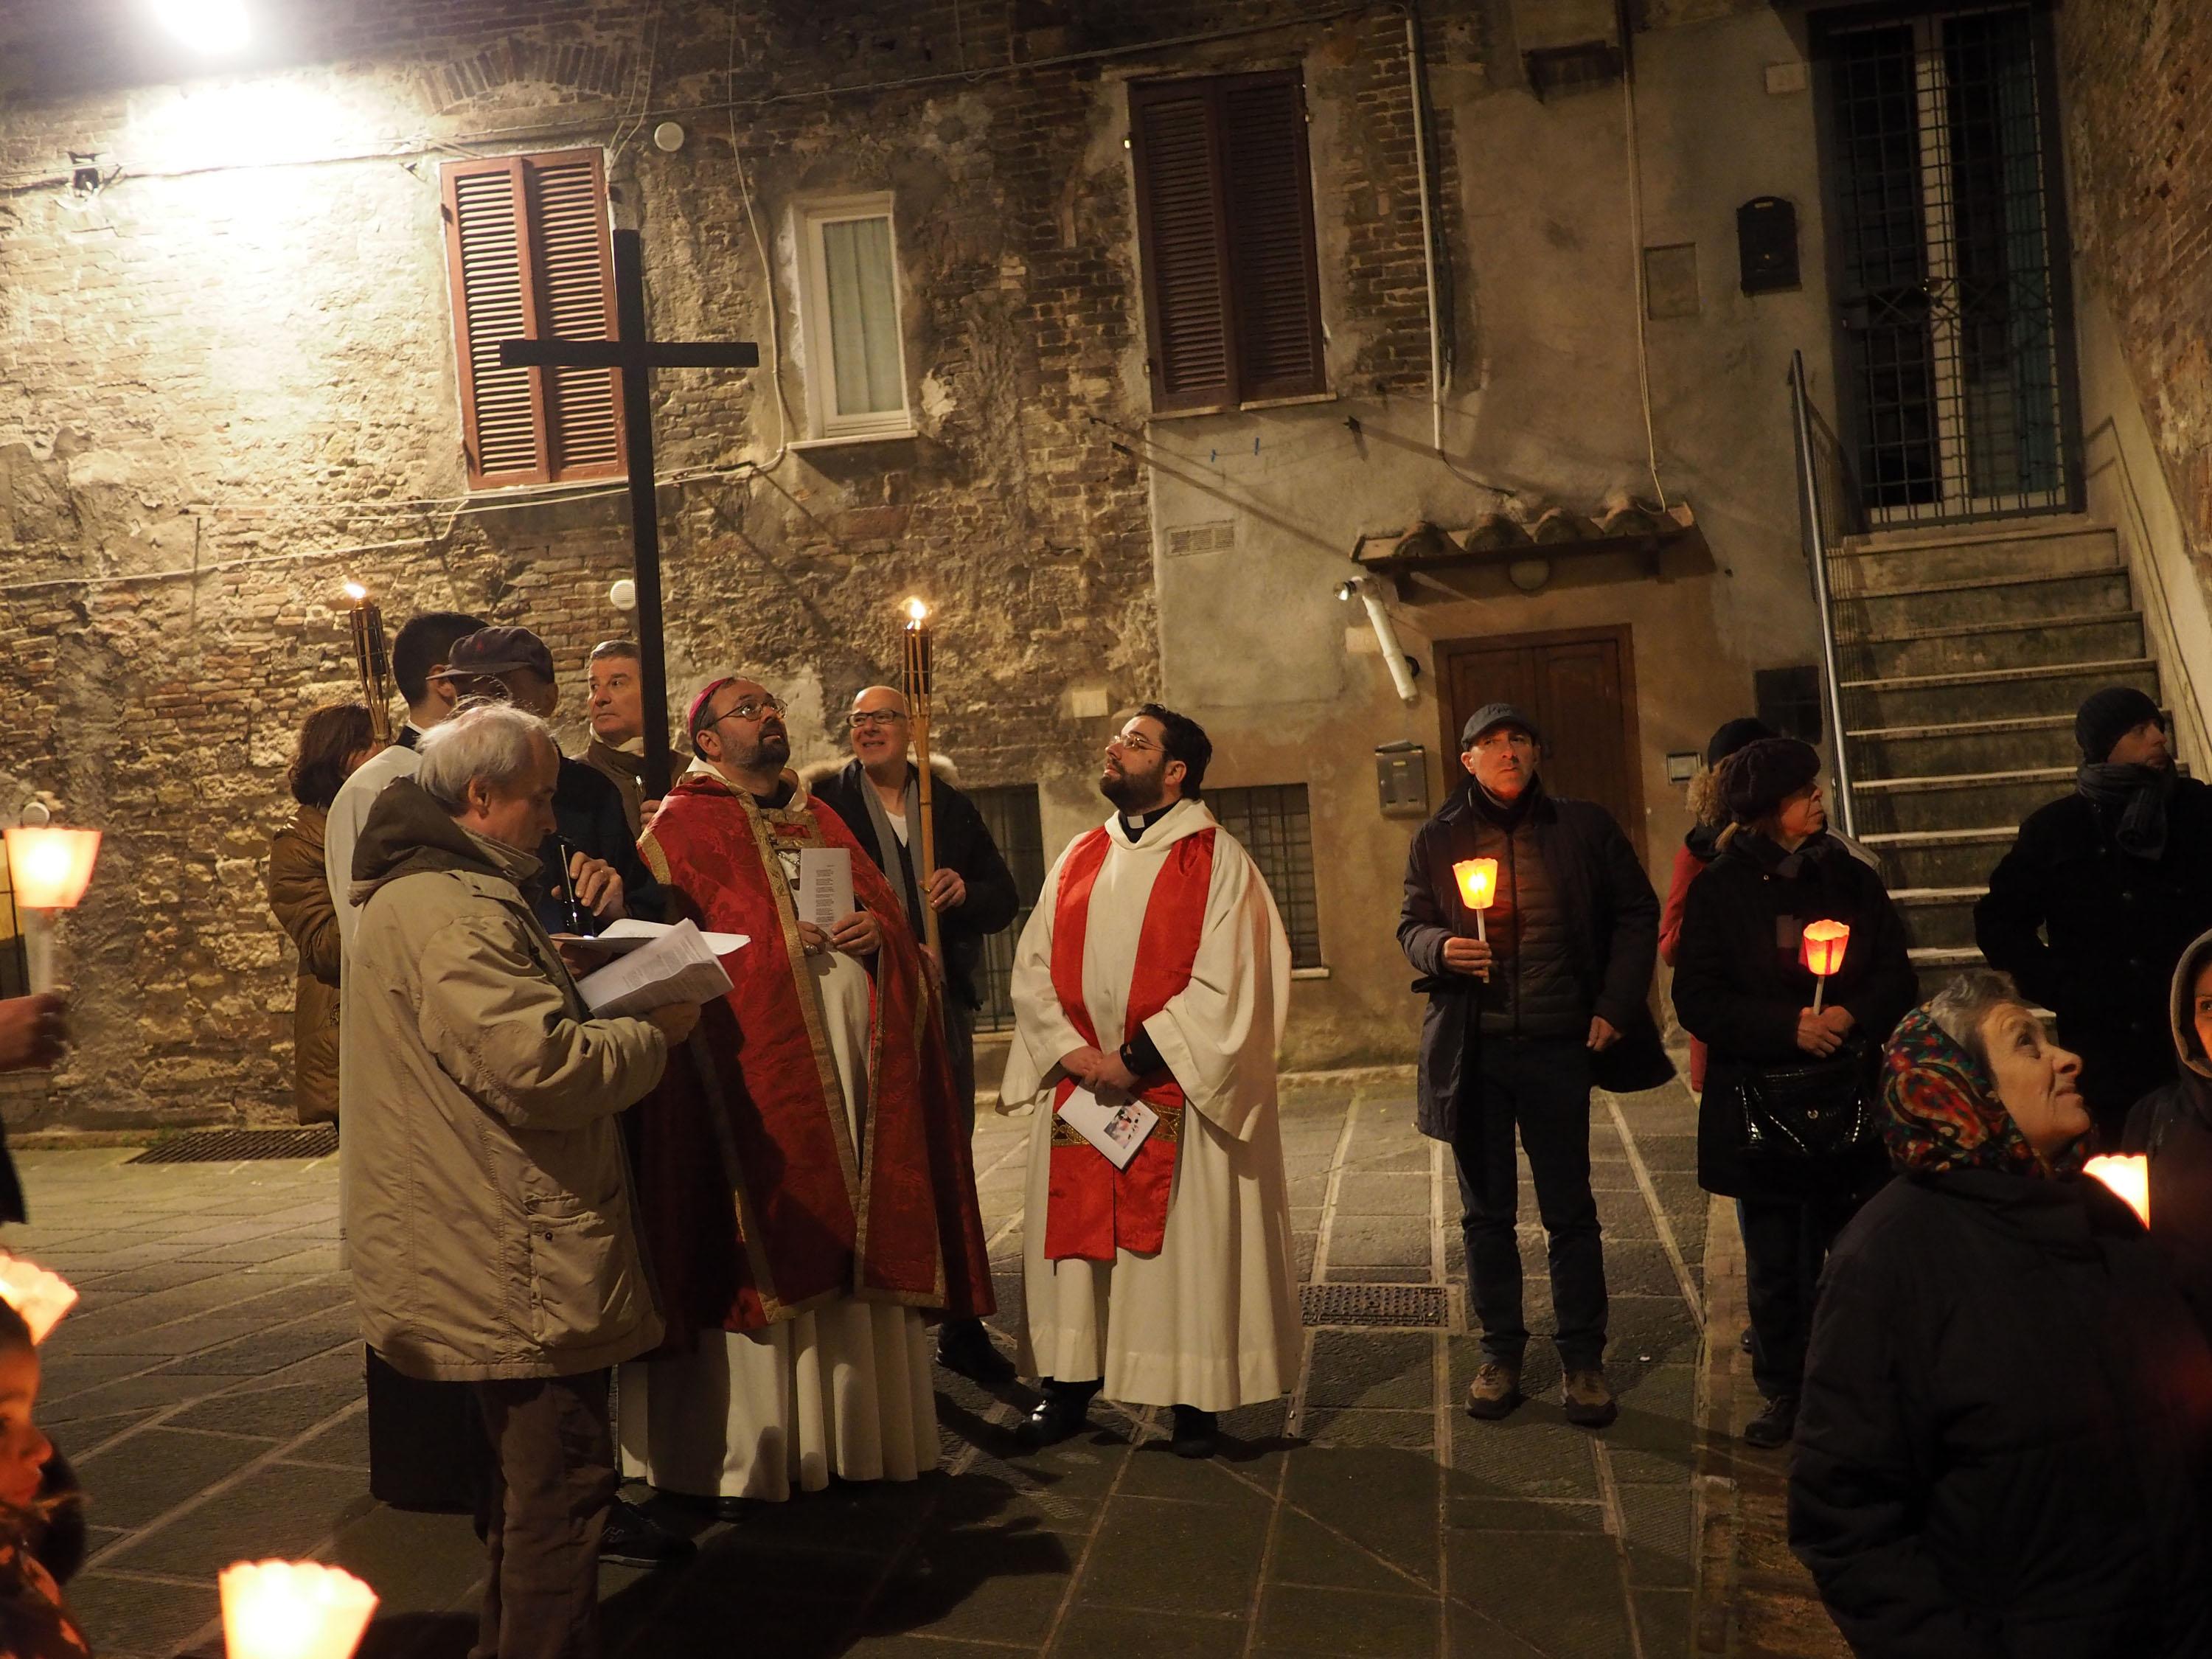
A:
x: 752, y: 708
x: 1135, y: 746
x: 861, y: 718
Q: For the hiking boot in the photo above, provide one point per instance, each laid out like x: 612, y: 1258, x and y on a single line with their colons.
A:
x: 1197, y: 1433
x: 1774, y: 1426
x: 1585, y: 1400
x: 1495, y: 1391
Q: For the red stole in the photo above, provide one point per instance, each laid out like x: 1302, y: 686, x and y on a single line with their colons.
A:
x: 755, y: 1200
x: 1094, y: 1209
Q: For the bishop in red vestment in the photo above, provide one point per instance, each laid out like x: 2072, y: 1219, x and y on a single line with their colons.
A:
x: 805, y: 1186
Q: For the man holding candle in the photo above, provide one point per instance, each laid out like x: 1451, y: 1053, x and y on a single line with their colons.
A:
x: 1525, y: 1001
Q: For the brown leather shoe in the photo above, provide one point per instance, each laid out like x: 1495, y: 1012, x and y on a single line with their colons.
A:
x: 1495, y: 1391
x: 1586, y: 1402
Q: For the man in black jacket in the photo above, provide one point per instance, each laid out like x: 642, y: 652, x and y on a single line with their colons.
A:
x: 2092, y: 906
x: 1514, y: 1024
x: 878, y: 794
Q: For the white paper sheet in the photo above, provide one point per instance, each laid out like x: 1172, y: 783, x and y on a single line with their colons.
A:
x: 825, y: 885
x: 678, y: 966
x: 1116, y: 1128
x: 623, y: 936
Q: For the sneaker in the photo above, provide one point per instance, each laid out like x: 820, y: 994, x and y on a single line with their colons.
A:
x: 964, y: 1347
x: 1774, y: 1426
x: 1495, y: 1391
x: 1197, y: 1433
x: 1586, y: 1401
x: 634, y: 1539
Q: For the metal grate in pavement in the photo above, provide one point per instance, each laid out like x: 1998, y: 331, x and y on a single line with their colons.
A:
x: 1423, y: 1306
x: 237, y: 1145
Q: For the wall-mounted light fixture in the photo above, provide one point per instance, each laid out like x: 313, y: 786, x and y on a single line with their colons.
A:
x: 1402, y: 667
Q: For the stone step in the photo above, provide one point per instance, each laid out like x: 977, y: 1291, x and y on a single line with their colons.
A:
x: 1989, y: 695
x: 1885, y: 567
x: 1989, y: 643
x: 1938, y: 917
x: 1936, y: 967
x: 1947, y: 748
x: 1941, y: 858
x: 1957, y: 604
x: 1965, y: 801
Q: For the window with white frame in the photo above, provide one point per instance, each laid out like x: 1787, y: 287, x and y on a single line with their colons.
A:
x: 855, y: 354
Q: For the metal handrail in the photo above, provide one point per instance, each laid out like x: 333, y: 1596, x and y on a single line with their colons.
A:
x: 1816, y: 553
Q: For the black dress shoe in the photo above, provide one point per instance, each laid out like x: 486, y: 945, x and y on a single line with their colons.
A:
x: 963, y: 1347
x: 1774, y: 1426
x: 634, y: 1539
x: 1197, y: 1434
x: 1064, y: 1412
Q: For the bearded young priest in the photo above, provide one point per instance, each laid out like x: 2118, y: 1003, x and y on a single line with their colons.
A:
x: 1155, y: 966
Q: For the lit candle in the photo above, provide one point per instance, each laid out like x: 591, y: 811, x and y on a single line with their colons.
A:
x: 371, y: 660
x: 48, y: 868
x: 1478, y: 888
x: 920, y: 676
x: 1824, y: 953
x: 2129, y: 1178
x: 40, y: 1297
x: 293, y: 1610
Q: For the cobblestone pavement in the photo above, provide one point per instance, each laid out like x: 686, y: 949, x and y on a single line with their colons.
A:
x: 209, y: 1388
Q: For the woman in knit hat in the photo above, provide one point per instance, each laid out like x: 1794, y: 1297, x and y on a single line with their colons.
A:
x: 1742, y: 987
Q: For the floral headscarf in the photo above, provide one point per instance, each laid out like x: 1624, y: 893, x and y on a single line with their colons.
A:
x: 1941, y: 1111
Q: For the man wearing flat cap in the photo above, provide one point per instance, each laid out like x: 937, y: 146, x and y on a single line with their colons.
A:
x: 2090, y: 910
x: 1516, y: 1022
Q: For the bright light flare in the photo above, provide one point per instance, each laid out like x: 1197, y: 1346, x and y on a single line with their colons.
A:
x: 215, y: 28
x: 40, y: 1297
x: 50, y: 867
x: 1824, y: 943
x: 1478, y: 882
x: 293, y: 1610
x: 917, y: 611
x: 356, y: 592
x: 2128, y: 1179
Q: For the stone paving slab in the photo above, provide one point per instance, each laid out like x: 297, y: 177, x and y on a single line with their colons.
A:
x: 208, y: 1387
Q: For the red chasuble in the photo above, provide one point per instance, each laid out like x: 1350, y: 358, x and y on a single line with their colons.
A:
x: 754, y: 1201
x: 1096, y: 1209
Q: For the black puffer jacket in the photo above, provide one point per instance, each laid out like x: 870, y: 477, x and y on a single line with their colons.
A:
x: 2002, y: 1446
x: 2173, y: 1126
x: 1739, y: 985
x: 1591, y: 955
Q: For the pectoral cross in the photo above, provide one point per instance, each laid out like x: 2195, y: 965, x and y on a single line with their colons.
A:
x: 636, y: 356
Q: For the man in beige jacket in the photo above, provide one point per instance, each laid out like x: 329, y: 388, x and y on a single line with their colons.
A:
x: 490, y: 1209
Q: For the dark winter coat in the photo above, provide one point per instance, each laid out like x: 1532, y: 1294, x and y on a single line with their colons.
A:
x: 1739, y: 985
x: 587, y: 809
x: 2001, y: 1445
x: 963, y: 846
x: 1592, y: 955
x: 2111, y: 928
x: 2173, y: 1126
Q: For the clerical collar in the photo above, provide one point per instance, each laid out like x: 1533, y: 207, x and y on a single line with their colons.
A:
x: 1134, y: 828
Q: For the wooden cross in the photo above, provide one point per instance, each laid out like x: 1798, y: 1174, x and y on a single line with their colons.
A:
x: 637, y: 354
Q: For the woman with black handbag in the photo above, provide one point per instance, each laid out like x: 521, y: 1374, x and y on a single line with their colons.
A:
x: 1786, y: 1123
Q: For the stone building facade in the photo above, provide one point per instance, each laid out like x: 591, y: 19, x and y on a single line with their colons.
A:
x: 231, y: 383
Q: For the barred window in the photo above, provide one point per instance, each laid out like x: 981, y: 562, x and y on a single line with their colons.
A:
x: 1010, y: 813
x: 1275, y: 827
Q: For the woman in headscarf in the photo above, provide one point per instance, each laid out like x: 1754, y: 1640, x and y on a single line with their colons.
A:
x: 2003, y: 1447
x: 1742, y: 985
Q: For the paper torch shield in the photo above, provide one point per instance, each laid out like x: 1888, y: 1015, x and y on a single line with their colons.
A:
x: 49, y: 868
x: 2129, y: 1178
x: 1824, y: 946
x: 1478, y: 882
x: 293, y: 1610
x: 40, y: 1297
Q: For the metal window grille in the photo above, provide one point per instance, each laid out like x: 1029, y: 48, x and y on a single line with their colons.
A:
x: 1955, y: 347
x: 1275, y: 826
x: 1010, y: 813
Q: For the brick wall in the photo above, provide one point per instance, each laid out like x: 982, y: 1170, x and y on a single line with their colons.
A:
x: 231, y: 386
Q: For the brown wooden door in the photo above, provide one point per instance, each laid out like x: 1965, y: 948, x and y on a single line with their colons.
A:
x: 1579, y: 685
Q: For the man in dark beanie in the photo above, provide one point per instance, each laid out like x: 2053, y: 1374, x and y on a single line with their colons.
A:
x: 2093, y: 907
x: 1521, y: 1021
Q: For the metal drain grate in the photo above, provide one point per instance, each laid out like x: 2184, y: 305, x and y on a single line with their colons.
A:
x: 1376, y: 1304
x: 237, y: 1145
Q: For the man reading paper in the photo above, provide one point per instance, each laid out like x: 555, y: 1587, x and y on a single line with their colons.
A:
x: 806, y: 1191
x: 1155, y: 967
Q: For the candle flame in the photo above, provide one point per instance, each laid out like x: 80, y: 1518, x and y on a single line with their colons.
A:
x: 1478, y: 882
x: 356, y: 592
x: 916, y: 609
x: 2128, y: 1179
x: 40, y: 1297
x: 293, y: 1610
x: 1824, y: 944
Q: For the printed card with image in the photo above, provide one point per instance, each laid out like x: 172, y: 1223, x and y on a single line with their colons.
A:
x: 1116, y: 1128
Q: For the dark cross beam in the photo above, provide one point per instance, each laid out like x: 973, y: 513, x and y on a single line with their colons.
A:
x: 637, y: 354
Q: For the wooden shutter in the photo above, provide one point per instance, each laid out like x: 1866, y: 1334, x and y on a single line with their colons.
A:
x: 1224, y: 227
x: 529, y: 253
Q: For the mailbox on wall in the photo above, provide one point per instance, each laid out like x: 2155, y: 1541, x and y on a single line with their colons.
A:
x: 1766, y: 244
x: 1401, y: 780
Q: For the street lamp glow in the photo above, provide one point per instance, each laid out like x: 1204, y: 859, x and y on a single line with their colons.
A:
x: 214, y: 27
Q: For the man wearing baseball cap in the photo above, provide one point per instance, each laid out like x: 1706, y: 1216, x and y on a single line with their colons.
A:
x: 591, y: 857
x: 1515, y: 1023
x: 2091, y: 908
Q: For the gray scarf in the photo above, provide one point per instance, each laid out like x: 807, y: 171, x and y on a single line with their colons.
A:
x: 2138, y: 794
x: 901, y: 878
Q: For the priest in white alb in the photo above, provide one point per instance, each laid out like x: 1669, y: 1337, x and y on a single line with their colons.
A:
x: 1155, y: 968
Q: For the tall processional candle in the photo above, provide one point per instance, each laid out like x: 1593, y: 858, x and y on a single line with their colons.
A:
x: 39, y: 1296
x: 371, y: 659
x: 920, y: 675
x: 1824, y: 953
x: 49, y: 868
x: 293, y: 1610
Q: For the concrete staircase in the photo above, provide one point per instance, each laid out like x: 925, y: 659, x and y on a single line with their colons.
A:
x: 1962, y: 651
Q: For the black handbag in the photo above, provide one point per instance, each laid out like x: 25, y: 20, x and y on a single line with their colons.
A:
x: 1821, y: 1109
